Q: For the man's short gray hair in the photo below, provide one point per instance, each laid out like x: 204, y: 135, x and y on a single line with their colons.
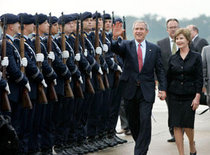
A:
x: 141, y: 21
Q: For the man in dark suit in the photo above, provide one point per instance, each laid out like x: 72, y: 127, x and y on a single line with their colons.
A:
x: 137, y: 83
x: 197, y: 43
x: 168, y: 47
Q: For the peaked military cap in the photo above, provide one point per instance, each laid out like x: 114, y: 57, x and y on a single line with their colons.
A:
x: 10, y: 18
x: 118, y: 20
x: 74, y: 16
x: 106, y: 16
x: 66, y: 19
x: 41, y: 18
x: 27, y: 18
x: 54, y: 19
x: 86, y: 15
x: 98, y: 14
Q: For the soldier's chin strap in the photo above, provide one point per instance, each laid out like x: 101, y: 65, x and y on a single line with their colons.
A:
x: 204, y: 111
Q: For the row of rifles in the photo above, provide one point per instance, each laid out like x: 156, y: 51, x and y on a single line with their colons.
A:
x: 51, y: 93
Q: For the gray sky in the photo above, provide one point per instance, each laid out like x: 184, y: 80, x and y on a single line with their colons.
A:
x: 165, y: 8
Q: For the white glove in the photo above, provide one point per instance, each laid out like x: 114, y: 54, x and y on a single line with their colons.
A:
x: 65, y: 54
x: 39, y: 57
x: 51, y: 56
x: 80, y: 80
x: 119, y: 68
x: 5, y: 62
x: 70, y: 79
x: 77, y: 57
x: 91, y: 75
x: 107, y: 71
x: 7, y: 89
x: 98, y: 50
x: 105, y: 48
x: 28, y: 86
x: 100, y: 71
x: 85, y: 53
x: 55, y: 82
x: 24, y: 62
x: 44, y: 83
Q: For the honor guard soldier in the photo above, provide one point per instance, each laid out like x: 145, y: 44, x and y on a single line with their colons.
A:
x: 16, y: 79
x: 34, y: 75
x: 60, y: 109
x: 41, y: 133
x: 84, y: 66
x: 64, y: 135
x: 115, y: 71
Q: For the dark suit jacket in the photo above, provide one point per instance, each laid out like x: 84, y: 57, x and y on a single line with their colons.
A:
x: 198, y: 44
x: 165, y: 48
x: 131, y: 76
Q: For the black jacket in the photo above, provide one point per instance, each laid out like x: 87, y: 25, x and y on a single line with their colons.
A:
x: 185, y: 77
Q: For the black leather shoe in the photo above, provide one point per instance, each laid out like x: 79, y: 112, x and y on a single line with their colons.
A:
x: 128, y: 132
x: 109, y: 142
x: 35, y: 153
x: 119, y: 140
x: 193, y: 153
x: 171, y: 140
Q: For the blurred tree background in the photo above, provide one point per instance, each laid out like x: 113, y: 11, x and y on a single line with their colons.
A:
x: 157, y: 26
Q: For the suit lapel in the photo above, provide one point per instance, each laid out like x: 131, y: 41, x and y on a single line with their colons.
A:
x: 168, y: 45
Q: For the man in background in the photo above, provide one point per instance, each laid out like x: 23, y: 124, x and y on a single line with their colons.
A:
x: 168, y: 47
x: 197, y: 43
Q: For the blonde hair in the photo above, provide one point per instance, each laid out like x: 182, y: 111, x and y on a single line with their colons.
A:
x: 186, y: 32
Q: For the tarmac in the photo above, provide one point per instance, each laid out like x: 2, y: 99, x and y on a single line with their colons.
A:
x: 160, y: 134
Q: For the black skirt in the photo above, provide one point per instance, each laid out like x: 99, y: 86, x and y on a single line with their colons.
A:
x: 180, y: 111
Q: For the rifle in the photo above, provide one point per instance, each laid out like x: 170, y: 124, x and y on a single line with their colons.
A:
x: 99, y: 78
x: 89, y: 85
x: 78, y: 85
x: 117, y: 73
x: 41, y: 93
x: 51, y: 89
x: 124, y: 27
x: 25, y: 96
x: 5, y: 105
x: 67, y: 88
x: 106, y: 81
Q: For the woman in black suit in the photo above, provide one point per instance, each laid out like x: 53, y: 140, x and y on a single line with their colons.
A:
x: 185, y: 81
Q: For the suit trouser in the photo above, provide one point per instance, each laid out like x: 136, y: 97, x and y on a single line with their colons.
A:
x: 171, y: 129
x: 138, y: 112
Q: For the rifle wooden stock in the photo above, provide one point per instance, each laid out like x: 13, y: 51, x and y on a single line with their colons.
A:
x: 5, y: 105
x: 42, y: 96
x: 99, y: 77
x: 26, y: 101
x: 68, y: 91
x: 89, y: 86
x: 41, y: 93
x: 50, y: 89
x: 78, y: 88
x: 106, y: 81
x: 116, y: 78
x: 67, y: 87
